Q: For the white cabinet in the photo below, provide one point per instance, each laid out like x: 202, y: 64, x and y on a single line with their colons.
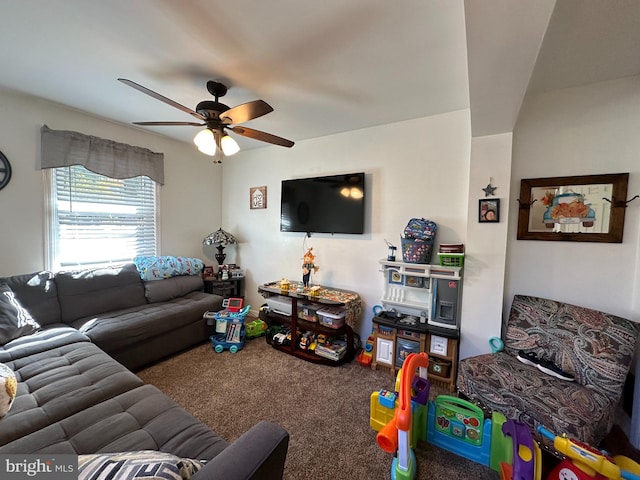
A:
x: 384, y: 351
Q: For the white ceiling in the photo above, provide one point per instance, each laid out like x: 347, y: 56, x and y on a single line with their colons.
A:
x: 326, y: 67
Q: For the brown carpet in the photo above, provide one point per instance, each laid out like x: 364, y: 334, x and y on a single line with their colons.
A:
x: 325, y: 410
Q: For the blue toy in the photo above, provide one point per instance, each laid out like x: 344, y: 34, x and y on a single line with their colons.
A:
x: 460, y: 427
x: 231, y: 328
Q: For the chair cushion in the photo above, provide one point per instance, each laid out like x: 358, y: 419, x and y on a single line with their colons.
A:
x: 596, y: 347
x: 500, y: 382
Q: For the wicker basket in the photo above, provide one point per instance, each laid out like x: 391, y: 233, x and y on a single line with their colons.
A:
x: 451, y: 259
x: 416, y: 251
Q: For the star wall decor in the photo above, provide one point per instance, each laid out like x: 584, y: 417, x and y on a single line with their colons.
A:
x: 488, y: 190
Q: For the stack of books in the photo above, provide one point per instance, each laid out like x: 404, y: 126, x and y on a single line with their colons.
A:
x: 334, y: 351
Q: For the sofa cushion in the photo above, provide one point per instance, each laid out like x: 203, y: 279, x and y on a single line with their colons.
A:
x: 145, y: 464
x: 142, y: 418
x: 51, y: 337
x: 501, y: 383
x: 171, y: 288
x: 92, y: 292
x: 37, y: 293
x: 146, y: 322
x: 58, y: 383
x: 596, y: 347
x: 15, y: 320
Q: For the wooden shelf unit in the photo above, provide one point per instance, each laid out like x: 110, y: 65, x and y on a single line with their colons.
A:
x: 297, y: 324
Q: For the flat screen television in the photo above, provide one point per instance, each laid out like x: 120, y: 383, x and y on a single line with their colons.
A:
x: 330, y: 204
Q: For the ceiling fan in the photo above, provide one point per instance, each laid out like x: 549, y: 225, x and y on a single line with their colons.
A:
x: 217, y: 118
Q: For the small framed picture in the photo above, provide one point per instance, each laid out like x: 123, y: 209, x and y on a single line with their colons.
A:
x: 489, y: 210
x: 207, y: 272
x: 258, y: 197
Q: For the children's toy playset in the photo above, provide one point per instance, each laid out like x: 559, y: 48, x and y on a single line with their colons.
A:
x: 407, y: 416
x: 230, y: 328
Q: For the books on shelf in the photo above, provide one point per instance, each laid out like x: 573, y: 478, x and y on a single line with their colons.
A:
x: 334, y: 351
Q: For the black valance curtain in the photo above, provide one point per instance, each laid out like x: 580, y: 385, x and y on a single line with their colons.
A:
x: 63, y: 148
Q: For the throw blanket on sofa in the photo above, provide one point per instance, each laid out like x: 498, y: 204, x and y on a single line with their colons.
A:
x: 159, y: 268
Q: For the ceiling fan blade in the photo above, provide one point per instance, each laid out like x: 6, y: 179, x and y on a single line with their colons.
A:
x: 245, y: 112
x: 162, y: 98
x: 167, y: 124
x: 262, y: 136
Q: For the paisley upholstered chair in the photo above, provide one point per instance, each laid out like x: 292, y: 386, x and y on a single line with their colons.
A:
x: 594, y: 347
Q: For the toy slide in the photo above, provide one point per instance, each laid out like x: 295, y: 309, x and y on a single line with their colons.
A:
x: 395, y: 435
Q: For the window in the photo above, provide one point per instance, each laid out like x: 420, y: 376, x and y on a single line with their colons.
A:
x: 96, y: 220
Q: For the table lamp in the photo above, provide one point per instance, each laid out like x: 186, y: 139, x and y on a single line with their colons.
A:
x: 220, y: 239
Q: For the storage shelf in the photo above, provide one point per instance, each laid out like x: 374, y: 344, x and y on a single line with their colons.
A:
x: 295, y: 323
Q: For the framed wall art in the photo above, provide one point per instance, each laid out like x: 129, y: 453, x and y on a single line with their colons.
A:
x: 489, y: 210
x: 258, y: 197
x: 586, y: 208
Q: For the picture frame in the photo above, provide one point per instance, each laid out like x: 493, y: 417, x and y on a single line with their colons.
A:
x: 489, y: 210
x: 583, y: 208
x: 258, y: 197
x: 207, y: 272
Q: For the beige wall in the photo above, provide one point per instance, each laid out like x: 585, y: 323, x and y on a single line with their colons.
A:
x: 190, y: 198
x: 418, y: 168
x: 580, y: 131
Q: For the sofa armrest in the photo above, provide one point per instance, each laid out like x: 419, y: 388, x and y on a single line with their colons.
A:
x: 258, y: 454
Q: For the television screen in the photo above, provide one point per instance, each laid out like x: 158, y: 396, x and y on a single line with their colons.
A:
x: 331, y: 204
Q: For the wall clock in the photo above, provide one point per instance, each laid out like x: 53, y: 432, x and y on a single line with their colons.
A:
x: 5, y: 171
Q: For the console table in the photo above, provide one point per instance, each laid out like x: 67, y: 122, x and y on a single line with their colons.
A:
x: 325, y: 296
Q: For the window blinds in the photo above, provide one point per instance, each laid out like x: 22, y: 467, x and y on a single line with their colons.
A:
x: 102, y: 220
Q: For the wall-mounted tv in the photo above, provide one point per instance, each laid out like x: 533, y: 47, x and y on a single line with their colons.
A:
x: 330, y: 204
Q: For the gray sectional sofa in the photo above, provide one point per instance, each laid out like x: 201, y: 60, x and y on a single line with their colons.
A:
x: 76, y: 339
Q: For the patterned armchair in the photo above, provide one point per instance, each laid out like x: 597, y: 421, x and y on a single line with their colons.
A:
x: 596, y: 347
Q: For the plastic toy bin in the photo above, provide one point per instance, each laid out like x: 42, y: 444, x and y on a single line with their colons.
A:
x: 332, y: 317
x: 451, y: 259
x: 308, y: 312
x: 439, y: 367
x: 416, y: 250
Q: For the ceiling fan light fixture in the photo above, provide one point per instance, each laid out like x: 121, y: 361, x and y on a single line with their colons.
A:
x: 229, y: 145
x: 206, y: 142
